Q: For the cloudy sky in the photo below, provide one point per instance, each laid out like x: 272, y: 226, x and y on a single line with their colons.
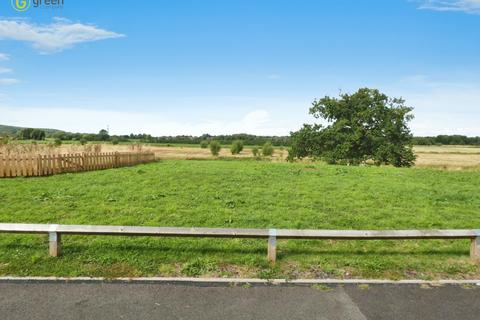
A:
x: 193, y: 67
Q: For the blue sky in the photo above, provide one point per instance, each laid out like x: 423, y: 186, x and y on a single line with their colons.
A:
x: 219, y: 67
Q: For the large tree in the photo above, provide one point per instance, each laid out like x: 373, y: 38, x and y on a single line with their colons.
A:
x: 366, y: 125
x: 34, y: 134
x: 38, y: 134
x: 103, y: 135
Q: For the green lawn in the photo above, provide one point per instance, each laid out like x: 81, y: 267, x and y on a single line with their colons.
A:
x: 250, y: 194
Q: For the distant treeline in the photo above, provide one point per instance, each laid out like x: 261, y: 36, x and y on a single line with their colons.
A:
x: 103, y: 135
x: 248, y: 139
x: 253, y: 140
x: 446, y: 140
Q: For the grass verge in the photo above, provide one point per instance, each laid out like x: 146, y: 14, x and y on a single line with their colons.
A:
x: 244, y: 194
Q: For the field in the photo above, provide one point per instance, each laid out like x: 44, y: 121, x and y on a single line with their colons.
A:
x: 448, y: 157
x: 247, y: 194
x: 439, y: 157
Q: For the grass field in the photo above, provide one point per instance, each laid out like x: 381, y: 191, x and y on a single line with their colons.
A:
x: 438, y: 157
x: 448, y: 157
x: 250, y: 194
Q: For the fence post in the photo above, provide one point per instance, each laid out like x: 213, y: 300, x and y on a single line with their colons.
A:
x: 475, y: 247
x: 54, y: 243
x: 1, y: 165
x: 39, y: 165
x: 272, y: 245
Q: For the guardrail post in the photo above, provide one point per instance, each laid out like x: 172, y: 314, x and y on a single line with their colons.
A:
x: 272, y: 245
x: 54, y: 243
x: 475, y: 248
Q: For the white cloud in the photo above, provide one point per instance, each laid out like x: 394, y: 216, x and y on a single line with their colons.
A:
x: 5, y: 70
x: 255, y: 120
x: 54, y: 37
x: 440, y: 107
x: 467, y: 6
x: 4, y: 57
x: 125, y: 122
x: 447, y: 111
x: 8, y: 81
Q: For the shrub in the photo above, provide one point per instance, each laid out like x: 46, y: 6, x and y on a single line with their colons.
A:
x: 236, y: 147
x: 115, y: 141
x: 83, y: 141
x: 255, y: 151
x: 215, y: 147
x: 204, y: 144
x: 57, y: 142
x: 290, y: 156
x: 267, y: 149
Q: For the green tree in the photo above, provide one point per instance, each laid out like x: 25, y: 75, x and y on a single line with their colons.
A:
x: 366, y: 125
x: 38, y: 134
x: 103, y: 135
x: 267, y: 149
x: 204, y: 144
x: 57, y: 142
x: 236, y: 147
x: 26, y: 134
x: 59, y: 135
x: 215, y: 147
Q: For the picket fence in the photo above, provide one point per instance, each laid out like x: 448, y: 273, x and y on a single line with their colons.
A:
x: 44, y: 165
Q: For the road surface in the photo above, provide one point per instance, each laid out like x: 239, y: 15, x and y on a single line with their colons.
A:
x: 104, y: 300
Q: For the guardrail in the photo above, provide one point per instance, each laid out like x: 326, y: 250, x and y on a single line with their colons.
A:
x: 55, y: 231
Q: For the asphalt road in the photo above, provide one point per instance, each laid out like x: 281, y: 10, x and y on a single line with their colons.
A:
x: 165, y: 301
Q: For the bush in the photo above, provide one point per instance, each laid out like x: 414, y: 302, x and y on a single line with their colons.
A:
x: 57, y: 142
x: 83, y: 141
x: 215, y: 147
x: 290, y: 156
x: 115, y: 141
x: 267, y: 149
x: 255, y: 151
x: 236, y: 147
x: 204, y: 144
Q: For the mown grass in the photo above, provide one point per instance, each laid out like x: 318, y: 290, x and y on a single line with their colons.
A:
x: 250, y: 194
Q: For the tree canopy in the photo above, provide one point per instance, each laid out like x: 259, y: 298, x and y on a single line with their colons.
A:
x: 366, y: 125
x: 34, y: 134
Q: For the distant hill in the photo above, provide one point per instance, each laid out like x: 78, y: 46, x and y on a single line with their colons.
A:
x: 11, y: 130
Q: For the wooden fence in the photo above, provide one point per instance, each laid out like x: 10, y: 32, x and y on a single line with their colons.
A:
x: 55, y: 231
x: 44, y: 165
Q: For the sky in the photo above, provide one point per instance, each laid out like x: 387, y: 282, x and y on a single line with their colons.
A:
x: 240, y: 66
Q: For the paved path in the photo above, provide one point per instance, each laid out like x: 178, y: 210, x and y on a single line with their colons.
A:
x: 163, y: 301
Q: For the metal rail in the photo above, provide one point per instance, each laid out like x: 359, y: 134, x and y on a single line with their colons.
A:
x: 55, y: 231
